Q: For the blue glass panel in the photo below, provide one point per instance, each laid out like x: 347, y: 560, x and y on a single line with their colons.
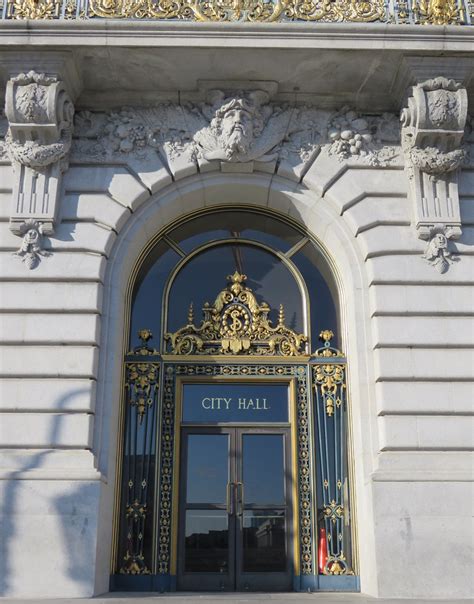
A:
x: 208, y: 468
x: 212, y: 403
x: 263, y: 469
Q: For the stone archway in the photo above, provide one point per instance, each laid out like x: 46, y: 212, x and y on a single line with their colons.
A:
x: 199, y: 192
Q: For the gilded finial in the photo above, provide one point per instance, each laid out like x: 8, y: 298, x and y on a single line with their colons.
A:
x: 237, y: 282
x: 281, y: 315
x: 326, y: 336
x: 191, y: 314
x: 145, y: 335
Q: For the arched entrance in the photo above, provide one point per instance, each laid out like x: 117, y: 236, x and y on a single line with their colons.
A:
x: 219, y: 396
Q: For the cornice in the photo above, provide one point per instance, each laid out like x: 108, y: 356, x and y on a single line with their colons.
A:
x: 69, y: 34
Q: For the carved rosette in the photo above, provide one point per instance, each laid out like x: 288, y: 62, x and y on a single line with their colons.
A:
x: 236, y: 324
x: 433, y: 124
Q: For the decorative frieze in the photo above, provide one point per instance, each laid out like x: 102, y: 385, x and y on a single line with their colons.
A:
x: 433, y: 123
x: 235, y: 128
x: 40, y: 121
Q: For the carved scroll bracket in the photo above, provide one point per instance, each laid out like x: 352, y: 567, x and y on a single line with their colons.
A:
x: 433, y: 123
x: 39, y: 114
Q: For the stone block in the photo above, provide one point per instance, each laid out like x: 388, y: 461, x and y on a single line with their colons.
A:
x: 423, y: 527
x: 50, y: 296
x: 49, y: 537
x: 421, y: 299
x: 84, y: 236
x: 426, y: 432
x: 47, y: 395
x: 372, y: 211
x: 384, y: 240
x: 237, y: 189
x: 49, y: 328
x: 46, y: 430
x: 413, y: 269
x: 425, y: 397
x: 354, y: 184
x: 151, y: 171
x: 7, y: 177
x: 63, y: 266
x: 94, y: 207
x: 116, y: 180
x: 48, y: 361
x: 5, y: 203
x: 423, y: 364
x: 424, y: 466
x: 324, y: 171
x: 423, y: 332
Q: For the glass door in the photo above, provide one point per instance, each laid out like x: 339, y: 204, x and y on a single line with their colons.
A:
x: 235, y: 512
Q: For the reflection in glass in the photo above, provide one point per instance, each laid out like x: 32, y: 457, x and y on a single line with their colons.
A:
x: 203, y: 277
x: 207, y: 468
x: 263, y: 469
x: 148, y: 292
x: 206, y: 541
x: 264, y: 541
x: 321, y: 291
x: 231, y: 224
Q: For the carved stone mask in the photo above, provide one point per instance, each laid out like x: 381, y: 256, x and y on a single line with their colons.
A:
x: 440, y: 241
x: 32, y: 236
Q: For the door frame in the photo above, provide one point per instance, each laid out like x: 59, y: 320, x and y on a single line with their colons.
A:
x: 294, y: 498
x: 237, y: 579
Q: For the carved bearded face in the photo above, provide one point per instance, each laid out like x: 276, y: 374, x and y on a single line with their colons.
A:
x: 236, y: 130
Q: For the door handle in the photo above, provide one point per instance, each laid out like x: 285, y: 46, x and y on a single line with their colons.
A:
x: 229, y: 498
x: 240, y: 500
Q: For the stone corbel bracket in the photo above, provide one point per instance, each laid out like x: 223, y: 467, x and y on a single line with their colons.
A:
x: 40, y: 115
x: 433, y: 123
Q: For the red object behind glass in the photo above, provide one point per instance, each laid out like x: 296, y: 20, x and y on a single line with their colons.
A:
x: 322, y: 550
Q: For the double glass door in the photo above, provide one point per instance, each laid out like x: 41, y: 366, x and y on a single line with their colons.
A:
x: 235, y: 525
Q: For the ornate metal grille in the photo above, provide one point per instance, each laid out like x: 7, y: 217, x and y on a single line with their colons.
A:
x: 142, y: 376
x: 239, y: 335
x: 434, y: 12
x: 330, y: 402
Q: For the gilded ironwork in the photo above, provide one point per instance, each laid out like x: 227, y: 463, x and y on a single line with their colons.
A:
x: 435, y: 12
x: 333, y: 511
x: 236, y: 324
x: 142, y: 375
x: 299, y: 373
x: 329, y: 383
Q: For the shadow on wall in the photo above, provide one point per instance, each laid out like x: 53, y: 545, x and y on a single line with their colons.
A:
x: 74, y: 507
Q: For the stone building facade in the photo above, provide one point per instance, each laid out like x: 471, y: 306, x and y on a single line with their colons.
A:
x: 360, y: 134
